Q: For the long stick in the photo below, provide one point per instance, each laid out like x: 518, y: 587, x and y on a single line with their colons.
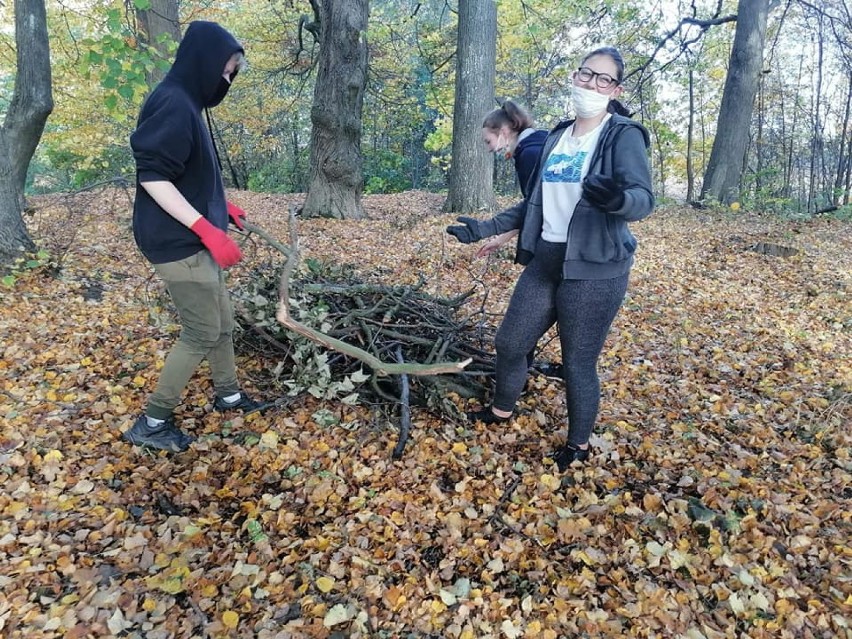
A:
x: 404, y: 411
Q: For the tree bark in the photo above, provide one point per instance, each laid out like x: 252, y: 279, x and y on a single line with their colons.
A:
x: 724, y: 170
x: 335, y: 181
x: 32, y: 102
x: 842, y: 156
x: 470, y: 179
x: 154, y: 24
x: 690, y: 134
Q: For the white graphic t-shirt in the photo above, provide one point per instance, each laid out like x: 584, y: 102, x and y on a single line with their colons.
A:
x: 562, y: 178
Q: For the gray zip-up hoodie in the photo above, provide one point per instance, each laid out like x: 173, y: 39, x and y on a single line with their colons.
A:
x: 600, y: 246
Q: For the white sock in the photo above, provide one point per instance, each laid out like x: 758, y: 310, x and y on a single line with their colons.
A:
x: 230, y: 399
x: 152, y: 422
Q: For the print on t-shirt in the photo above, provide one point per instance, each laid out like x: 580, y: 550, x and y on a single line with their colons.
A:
x: 564, y: 168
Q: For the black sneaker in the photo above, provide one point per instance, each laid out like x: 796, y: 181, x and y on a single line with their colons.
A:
x: 163, y: 436
x: 486, y: 416
x: 244, y: 403
x: 568, y: 454
x: 548, y: 369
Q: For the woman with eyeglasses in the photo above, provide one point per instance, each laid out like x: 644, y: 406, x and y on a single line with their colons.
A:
x: 592, y: 178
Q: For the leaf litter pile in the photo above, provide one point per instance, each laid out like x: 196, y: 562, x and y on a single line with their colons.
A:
x: 716, y: 503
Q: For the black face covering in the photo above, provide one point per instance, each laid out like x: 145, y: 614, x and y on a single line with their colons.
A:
x: 220, y: 92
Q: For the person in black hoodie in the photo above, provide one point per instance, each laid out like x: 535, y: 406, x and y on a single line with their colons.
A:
x: 593, y: 178
x: 508, y: 131
x: 180, y: 222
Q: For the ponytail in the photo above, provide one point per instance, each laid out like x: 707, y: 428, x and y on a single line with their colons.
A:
x: 509, y: 114
x: 618, y: 108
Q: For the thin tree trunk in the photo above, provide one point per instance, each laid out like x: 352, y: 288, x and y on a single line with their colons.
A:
x: 661, y: 166
x: 297, y: 179
x: 816, y: 135
x: 842, y: 155
x: 32, y: 102
x: 788, y: 178
x: 690, y: 127
x: 848, y: 185
x: 758, y: 145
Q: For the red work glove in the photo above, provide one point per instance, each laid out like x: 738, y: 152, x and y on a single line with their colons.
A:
x: 236, y: 214
x: 223, y: 249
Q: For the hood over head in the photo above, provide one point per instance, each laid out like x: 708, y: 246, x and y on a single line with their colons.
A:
x: 201, y: 57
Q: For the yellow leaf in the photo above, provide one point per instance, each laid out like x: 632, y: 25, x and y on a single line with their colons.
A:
x: 322, y: 542
x: 210, y: 591
x: 460, y: 448
x: 230, y: 619
x: 269, y: 439
x: 53, y: 456
x: 139, y: 381
x: 549, y: 481
x: 149, y: 604
x: 325, y: 584
x: 438, y: 606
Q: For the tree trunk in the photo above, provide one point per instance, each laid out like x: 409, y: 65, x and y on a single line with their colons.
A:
x: 470, y: 179
x: 32, y: 102
x: 335, y: 181
x: 724, y: 170
x: 842, y: 156
x: 690, y: 134
x: 154, y: 25
x: 816, y: 128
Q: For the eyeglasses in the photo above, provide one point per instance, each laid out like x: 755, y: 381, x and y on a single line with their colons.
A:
x: 602, y: 80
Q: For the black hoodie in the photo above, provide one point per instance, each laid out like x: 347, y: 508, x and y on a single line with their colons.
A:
x: 171, y: 142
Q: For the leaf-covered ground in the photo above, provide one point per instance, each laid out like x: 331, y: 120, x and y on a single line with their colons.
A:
x: 717, y: 503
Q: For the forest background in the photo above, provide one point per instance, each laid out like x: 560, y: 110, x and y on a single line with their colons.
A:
x: 716, y: 503
x: 677, y: 53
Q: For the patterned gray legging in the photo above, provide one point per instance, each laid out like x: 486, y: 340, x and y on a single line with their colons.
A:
x: 584, y: 311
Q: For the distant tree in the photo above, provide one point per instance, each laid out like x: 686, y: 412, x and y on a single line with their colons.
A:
x: 335, y: 181
x: 157, y: 26
x: 725, y: 167
x: 470, y: 179
x: 32, y: 102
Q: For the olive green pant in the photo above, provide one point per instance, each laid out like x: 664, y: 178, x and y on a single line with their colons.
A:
x: 196, y: 285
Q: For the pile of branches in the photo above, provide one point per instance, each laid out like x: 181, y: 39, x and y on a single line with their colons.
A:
x: 393, y: 323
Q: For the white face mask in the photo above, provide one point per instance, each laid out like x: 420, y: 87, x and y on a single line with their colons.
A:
x: 587, y: 103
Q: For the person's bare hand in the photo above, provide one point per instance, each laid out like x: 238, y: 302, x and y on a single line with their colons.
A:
x: 495, y: 243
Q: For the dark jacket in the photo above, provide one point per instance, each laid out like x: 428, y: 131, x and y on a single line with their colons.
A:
x: 171, y: 142
x: 600, y: 246
x: 526, y: 156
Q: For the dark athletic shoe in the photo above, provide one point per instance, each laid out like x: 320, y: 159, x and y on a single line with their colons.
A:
x: 244, y: 403
x: 486, y: 416
x: 568, y: 454
x: 549, y: 369
x: 164, y: 436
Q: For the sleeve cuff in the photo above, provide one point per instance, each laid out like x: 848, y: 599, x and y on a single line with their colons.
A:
x: 487, y: 228
x: 151, y: 176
